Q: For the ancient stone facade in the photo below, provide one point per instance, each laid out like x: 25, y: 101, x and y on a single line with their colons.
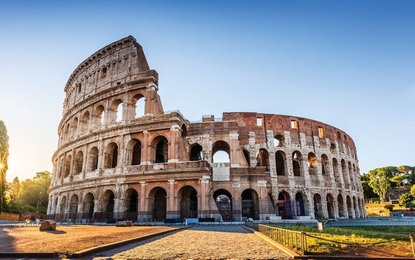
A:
x: 120, y: 156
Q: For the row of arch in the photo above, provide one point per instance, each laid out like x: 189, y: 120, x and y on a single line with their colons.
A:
x: 100, y: 115
x: 128, y: 206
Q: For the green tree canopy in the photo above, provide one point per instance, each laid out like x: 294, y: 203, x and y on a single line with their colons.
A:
x: 379, y: 182
x: 35, y: 192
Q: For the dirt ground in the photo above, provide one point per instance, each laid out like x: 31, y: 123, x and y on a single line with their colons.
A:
x: 69, y: 238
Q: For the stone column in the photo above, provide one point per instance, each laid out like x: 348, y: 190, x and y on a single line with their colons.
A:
x: 143, y: 213
x: 170, y: 210
x: 204, y: 192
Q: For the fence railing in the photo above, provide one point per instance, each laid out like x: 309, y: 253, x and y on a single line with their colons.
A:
x: 292, y: 239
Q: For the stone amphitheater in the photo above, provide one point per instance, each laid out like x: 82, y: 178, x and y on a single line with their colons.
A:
x: 121, y: 156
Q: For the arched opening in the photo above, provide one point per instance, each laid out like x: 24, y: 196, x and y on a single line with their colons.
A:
x: 79, y: 161
x: 68, y: 165
x: 262, y: 158
x: 296, y: 158
x: 120, y: 109
x: 284, y: 205
x: 111, y: 155
x: 108, y: 205
x: 93, y: 159
x: 139, y: 104
x: 161, y: 151
x: 324, y: 164
x: 196, y: 152
x: 115, y: 111
x: 340, y: 206
x: 62, y: 207
x: 73, y: 208
x: 99, y: 116
x: 312, y: 163
x: 330, y: 206
x: 280, y: 163
x: 299, y: 204
x: 74, y: 127
x: 136, y: 158
x: 349, y: 206
x: 188, y: 202
x: 318, y: 207
x: 356, y: 212
x: 279, y: 141
x: 336, y: 172
x: 159, y: 204
x: 85, y: 122
x: 223, y: 201
x: 131, y: 200
x: 221, y: 152
x: 250, y: 205
x: 89, y: 205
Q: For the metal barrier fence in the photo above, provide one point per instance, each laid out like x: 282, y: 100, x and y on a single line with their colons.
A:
x: 293, y: 239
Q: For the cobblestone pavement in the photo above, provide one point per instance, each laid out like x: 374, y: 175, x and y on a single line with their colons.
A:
x: 198, y: 242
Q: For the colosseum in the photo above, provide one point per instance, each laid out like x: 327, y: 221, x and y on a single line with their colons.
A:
x: 121, y: 156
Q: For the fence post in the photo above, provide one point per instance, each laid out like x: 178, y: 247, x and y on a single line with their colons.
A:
x: 412, y: 244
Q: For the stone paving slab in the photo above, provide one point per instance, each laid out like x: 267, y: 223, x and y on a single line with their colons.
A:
x: 198, y: 242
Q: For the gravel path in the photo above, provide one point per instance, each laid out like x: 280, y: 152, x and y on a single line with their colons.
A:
x: 198, y: 242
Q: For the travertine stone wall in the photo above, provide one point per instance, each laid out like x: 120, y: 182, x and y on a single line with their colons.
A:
x: 121, y: 156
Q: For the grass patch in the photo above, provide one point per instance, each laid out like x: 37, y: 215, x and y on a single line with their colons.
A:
x: 345, y: 239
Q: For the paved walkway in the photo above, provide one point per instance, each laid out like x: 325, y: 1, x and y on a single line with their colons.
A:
x: 198, y: 242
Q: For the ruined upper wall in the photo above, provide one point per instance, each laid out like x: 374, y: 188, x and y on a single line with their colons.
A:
x: 121, y: 62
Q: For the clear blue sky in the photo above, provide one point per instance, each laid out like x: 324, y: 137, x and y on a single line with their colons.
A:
x: 349, y: 64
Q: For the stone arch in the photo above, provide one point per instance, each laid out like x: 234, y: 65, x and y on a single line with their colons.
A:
x: 188, y: 202
x: 324, y: 164
x: 62, y: 207
x: 68, y: 163
x: 158, y: 207
x: 134, y: 152
x: 250, y: 204
x: 99, y: 116
x: 131, y: 204
x: 284, y: 205
x: 278, y: 141
x: 330, y: 206
x: 223, y: 200
x: 349, y: 206
x: 89, y: 205
x: 312, y: 163
x: 93, y: 159
x: 340, y: 205
x: 196, y: 152
x: 221, y: 152
x: 108, y: 205
x: 74, y: 127
x: 111, y: 155
x: 85, y: 122
x: 160, y: 149
x: 79, y: 161
x: 139, y: 105
x: 318, y: 206
x: 262, y: 158
x: 280, y: 159
x: 355, y: 207
x: 115, y: 111
x: 296, y: 160
x: 301, y: 204
x: 73, y: 207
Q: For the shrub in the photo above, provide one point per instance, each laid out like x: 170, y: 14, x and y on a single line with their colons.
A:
x: 389, y: 207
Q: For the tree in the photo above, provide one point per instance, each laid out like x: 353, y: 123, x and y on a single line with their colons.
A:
x: 15, y: 189
x: 367, y: 190
x: 406, y: 200
x: 4, y: 154
x: 35, y: 192
x: 379, y: 182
